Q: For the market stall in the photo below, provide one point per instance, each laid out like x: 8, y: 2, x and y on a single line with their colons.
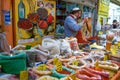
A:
x: 40, y: 56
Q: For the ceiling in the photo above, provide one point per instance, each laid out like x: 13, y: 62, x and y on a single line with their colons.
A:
x: 90, y: 3
x: 116, y: 2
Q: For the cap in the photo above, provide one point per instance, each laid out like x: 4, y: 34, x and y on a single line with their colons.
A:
x: 76, y: 9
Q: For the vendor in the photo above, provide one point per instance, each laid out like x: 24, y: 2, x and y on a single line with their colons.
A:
x: 71, y: 25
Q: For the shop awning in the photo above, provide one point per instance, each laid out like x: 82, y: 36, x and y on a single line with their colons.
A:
x: 116, y: 2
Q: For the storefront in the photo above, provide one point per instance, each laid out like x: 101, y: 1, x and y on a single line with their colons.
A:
x: 114, y: 11
x: 103, y: 11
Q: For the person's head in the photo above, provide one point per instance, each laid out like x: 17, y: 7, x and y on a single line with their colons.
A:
x: 115, y: 23
x: 76, y: 12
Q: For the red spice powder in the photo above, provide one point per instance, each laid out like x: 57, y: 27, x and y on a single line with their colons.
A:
x: 80, y: 39
x: 64, y: 72
x: 93, y: 38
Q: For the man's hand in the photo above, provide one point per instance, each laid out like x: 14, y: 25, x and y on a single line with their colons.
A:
x: 85, y: 19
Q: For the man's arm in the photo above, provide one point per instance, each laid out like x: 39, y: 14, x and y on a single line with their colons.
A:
x: 73, y: 25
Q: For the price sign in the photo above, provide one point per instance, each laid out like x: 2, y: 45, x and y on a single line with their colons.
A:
x: 59, y: 66
x: 100, y: 32
x: 42, y: 67
x: 72, y: 77
x: 43, y: 79
x: 105, y: 57
x: 96, y: 65
x: 24, y: 75
x: 75, y: 62
x: 55, y: 60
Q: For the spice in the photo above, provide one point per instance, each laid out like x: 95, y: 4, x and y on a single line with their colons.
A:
x: 80, y: 37
x: 64, y: 72
x: 93, y: 38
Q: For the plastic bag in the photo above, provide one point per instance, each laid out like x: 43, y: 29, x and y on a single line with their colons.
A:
x: 65, y: 48
x: 19, y: 47
x: 42, y: 53
x: 98, y: 26
x: 34, y: 55
x: 52, y: 46
x: 4, y: 46
x: 73, y: 43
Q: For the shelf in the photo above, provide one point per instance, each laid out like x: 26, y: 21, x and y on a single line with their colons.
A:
x: 61, y: 15
x: 61, y: 8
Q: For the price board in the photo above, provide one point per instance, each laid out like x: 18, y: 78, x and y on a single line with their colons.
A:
x: 42, y: 67
x: 75, y: 62
x: 96, y: 65
x: 24, y: 75
x: 59, y: 66
x: 55, y: 60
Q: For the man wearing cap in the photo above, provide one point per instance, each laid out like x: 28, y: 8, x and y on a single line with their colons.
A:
x: 71, y: 25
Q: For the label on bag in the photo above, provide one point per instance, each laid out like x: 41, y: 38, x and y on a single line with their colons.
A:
x: 42, y: 67
x: 24, y: 75
x: 96, y: 65
x: 55, y: 60
x: 59, y: 66
x: 75, y: 62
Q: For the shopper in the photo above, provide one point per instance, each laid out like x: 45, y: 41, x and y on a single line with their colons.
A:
x: 71, y: 25
x: 115, y: 24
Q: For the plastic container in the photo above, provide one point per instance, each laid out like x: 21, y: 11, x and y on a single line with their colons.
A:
x: 13, y: 64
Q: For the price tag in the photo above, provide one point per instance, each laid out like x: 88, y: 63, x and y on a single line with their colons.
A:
x: 42, y: 67
x: 43, y: 79
x: 96, y: 65
x: 119, y: 44
x: 100, y: 32
x: 55, y: 60
x: 72, y: 77
x: 105, y: 57
x: 75, y: 62
x: 24, y: 75
x: 59, y: 66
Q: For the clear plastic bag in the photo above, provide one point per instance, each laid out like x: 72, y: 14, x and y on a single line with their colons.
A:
x: 73, y: 43
x: 52, y: 46
x: 65, y: 48
x: 4, y: 46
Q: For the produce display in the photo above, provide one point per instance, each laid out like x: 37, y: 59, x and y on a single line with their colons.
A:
x: 108, y: 65
x: 63, y: 73
x: 76, y: 64
x: 47, y: 78
x: 51, y: 64
x: 41, y: 71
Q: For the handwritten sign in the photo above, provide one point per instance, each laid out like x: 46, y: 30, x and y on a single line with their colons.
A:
x: 24, y: 75
x: 55, y: 60
x: 59, y: 66
x: 75, y: 62
x: 42, y: 67
x: 100, y: 32
x: 72, y: 77
x: 43, y: 79
x: 105, y: 57
x: 96, y: 65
